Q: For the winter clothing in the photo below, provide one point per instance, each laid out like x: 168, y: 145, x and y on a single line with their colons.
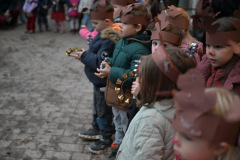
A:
x: 86, y: 21
x: 58, y: 13
x: 102, y: 43
x: 198, y: 55
x: 30, y: 6
x: 126, y: 51
x: 84, y: 33
x: 100, y: 47
x: 150, y: 134
x: 73, y: 11
x: 211, y: 75
x: 42, y: 13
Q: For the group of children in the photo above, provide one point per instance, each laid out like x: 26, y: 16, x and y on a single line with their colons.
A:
x: 188, y: 98
x: 39, y: 9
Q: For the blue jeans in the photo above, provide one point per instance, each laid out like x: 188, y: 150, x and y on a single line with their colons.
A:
x: 87, y: 21
x: 102, y: 114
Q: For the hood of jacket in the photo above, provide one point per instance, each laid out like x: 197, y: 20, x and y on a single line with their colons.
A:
x: 110, y: 33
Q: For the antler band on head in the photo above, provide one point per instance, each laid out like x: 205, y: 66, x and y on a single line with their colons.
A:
x: 101, y: 13
x: 193, y: 111
x: 121, y: 2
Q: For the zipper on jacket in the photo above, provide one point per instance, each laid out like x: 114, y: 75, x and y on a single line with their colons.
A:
x: 212, y: 80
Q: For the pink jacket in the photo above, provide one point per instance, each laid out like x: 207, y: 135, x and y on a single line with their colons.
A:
x: 199, y: 53
x: 84, y: 32
x: 233, y: 80
x: 73, y: 11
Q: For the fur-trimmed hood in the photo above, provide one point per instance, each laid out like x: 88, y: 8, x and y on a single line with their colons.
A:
x: 111, y: 34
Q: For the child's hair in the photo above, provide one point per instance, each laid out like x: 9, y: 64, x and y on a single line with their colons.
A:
x: 95, y: 6
x: 225, y: 26
x: 224, y: 98
x: 140, y: 10
x: 153, y: 80
x: 175, y: 30
x: 186, y: 33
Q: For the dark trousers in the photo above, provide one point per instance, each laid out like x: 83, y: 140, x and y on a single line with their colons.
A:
x: 42, y: 17
x: 30, y: 25
x: 102, y: 114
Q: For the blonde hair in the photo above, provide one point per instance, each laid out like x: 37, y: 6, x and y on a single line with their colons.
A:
x: 186, y: 33
x: 224, y: 98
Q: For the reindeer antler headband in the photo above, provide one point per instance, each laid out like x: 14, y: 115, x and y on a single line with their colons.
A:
x: 167, y: 36
x: 162, y: 59
x: 193, y: 111
x: 128, y: 18
x: 101, y: 13
x: 215, y: 38
x: 121, y: 2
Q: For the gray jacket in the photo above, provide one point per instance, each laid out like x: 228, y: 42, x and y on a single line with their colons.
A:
x: 150, y: 134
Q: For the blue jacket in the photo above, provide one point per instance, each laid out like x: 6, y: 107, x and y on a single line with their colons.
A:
x: 100, y: 47
x: 42, y: 3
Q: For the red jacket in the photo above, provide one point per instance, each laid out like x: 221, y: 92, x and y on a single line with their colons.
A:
x: 211, y: 75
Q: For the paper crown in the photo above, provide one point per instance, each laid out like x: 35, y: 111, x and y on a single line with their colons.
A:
x: 130, y: 19
x: 215, y: 38
x: 122, y: 2
x: 167, y: 36
x: 193, y: 112
x: 101, y: 11
x: 161, y: 58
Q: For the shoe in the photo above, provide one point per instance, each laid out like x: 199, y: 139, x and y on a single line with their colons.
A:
x: 100, y: 146
x: 90, y: 134
x: 114, y: 149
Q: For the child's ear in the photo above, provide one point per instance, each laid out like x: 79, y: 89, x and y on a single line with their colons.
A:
x: 108, y: 22
x: 221, y: 148
x: 138, y: 28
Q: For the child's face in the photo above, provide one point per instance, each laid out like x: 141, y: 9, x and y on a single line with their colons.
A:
x: 117, y: 10
x: 99, y: 25
x: 188, y: 148
x: 218, y: 55
x: 128, y: 30
x: 156, y: 44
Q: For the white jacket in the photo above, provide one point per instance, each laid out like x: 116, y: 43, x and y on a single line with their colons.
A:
x: 149, y: 136
x: 85, y: 4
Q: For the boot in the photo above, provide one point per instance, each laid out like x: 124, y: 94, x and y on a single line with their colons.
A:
x: 40, y: 28
x: 47, y: 28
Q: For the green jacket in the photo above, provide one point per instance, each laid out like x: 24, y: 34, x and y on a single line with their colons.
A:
x: 126, y: 51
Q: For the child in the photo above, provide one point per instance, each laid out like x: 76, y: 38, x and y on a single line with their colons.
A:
x: 131, y: 47
x: 101, y: 46
x: 86, y: 24
x: 149, y: 134
x: 204, y: 120
x: 58, y: 14
x: 73, y: 15
x: 220, y: 64
x: 30, y: 8
x: 43, y: 6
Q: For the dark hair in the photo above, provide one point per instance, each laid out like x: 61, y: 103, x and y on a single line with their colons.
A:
x: 140, y: 10
x: 153, y: 80
x: 226, y: 7
x: 94, y: 7
x: 226, y: 25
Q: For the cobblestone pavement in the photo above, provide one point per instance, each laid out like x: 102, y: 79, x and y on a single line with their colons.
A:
x: 45, y: 97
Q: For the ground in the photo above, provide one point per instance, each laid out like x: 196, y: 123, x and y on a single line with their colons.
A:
x: 45, y: 97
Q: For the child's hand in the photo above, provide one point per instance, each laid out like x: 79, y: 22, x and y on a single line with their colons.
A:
x: 236, y: 46
x: 103, y: 72
x: 45, y: 7
x: 79, y: 54
x: 135, y: 88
